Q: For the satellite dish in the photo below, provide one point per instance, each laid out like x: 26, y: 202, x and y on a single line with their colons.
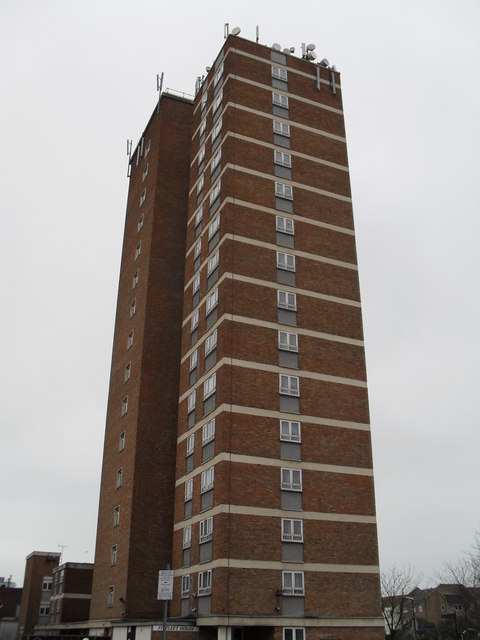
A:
x: 324, y: 62
x: 310, y: 47
x: 292, y: 49
x: 276, y: 46
x: 311, y: 55
x: 333, y: 67
x: 207, y: 69
x: 236, y: 31
x: 286, y: 52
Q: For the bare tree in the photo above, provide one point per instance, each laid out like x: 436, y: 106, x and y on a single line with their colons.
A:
x: 397, y: 585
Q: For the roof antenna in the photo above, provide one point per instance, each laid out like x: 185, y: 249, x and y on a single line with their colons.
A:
x: 159, y: 89
x: 226, y: 29
x: 129, y: 154
x: 258, y: 34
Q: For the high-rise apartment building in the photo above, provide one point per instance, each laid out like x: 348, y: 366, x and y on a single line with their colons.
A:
x: 237, y: 444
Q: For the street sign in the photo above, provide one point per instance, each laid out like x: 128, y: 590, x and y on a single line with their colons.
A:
x: 165, y: 585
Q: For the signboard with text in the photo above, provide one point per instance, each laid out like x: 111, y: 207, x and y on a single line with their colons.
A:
x: 165, y: 585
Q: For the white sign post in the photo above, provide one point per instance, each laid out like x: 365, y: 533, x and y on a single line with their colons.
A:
x: 165, y: 593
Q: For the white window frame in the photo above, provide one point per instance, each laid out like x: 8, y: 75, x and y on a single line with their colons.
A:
x: 204, y: 99
x: 292, y: 530
x: 188, y: 489
x: 145, y: 172
x: 148, y: 147
x: 213, y: 228
x: 44, y: 610
x: 211, y: 342
x: 190, y: 444
x: 288, y: 341
x: 280, y: 100
x: 143, y: 195
x: 187, y: 536
x: 291, y: 479
x: 217, y: 158
x: 138, y: 250
x: 212, y: 263
x: 207, y: 479
x: 193, y: 359
x: 135, y: 279
x: 203, y: 126
x: 128, y: 372
x: 200, y: 184
x: 47, y: 584
x: 285, y: 225
x: 201, y: 154
x: 185, y: 589
x: 140, y: 223
x: 217, y: 102
x: 283, y: 190
x: 206, y: 529
x: 133, y: 307
x: 210, y: 386
x: 192, y: 401
x: 282, y: 158
x: 281, y: 128
x: 196, y: 284
x: 197, y: 249
x: 290, y: 431
x: 287, y: 300
x: 279, y: 73
x: 217, y: 130
x: 110, y: 596
x: 215, y: 192
x: 290, y: 580
x: 113, y: 554
x: 194, y: 321
x: 289, y: 385
x: 204, y: 582
x: 293, y: 633
x: 218, y: 75
x: 116, y: 516
x: 130, y: 340
x: 212, y: 302
x: 124, y: 405
x: 199, y: 215
x: 208, y: 432
x: 121, y: 441
x: 119, y: 482
x: 285, y: 261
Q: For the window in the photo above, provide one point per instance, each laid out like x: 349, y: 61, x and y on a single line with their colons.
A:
x: 110, y: 596
x: 211, y: 342
x: 133, y: 308
x: 213, y: 228
x: 209, y: 386
x: 290, y: 431
x: 197, y: 250
x: 280, y: 100
x: 285, y: 225
x: 47, y: 584
x: 188, y: 489
x: 282, y: 159
x: 293, y: 633
x: 206, y: 529
x: 145, y: 172
x: 287, y: 341
x: 292, y: 530
x: 140, y: 223
x: 287, y: 300
x: 289, y: 385
x: 113, y: 554
x: 218, y: 75
x: 44, y: 610
x: 190, y: 444
x: 147, y: 148
x: 124, y: 405
x: 196, y: 284
x: 291, y: 479
x: 285, y: 261
x: 138, y: 250
x: 217, y: 102
x: 192, y: 399
x: 208, y: 431
x: 213, y: 262
x: 187, y: 537
x: 116, y: 516
x: 143, y: 195
x: 215, y: 192
x: 121, y: 441
x: 217, y: 129
x: 203, y: 126
x: 194, y: 321
x: 128, y: 370
x: 281, y: 128
x: 292, y: 583
x: 204, y: 582
x: 279, y: 74
x: 283, y: 191
x: 200, y: 183
x: 129, y: 340
x: 185, y: 586
x: 204, y: 99
x: 199, y: 216
x: 207, y: 479
x: 212, y: 302
x: 193, y: 359
x: 201, y: 154
x: 119, y: 478
x: 135, y: 280
x: 217, y: 158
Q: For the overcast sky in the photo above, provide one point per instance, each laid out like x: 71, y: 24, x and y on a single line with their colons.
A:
x: 77, y: 79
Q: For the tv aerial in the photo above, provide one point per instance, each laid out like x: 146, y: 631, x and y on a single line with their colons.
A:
x: 236, y: 31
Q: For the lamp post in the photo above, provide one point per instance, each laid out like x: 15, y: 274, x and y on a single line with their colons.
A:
x: 413, y: 614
